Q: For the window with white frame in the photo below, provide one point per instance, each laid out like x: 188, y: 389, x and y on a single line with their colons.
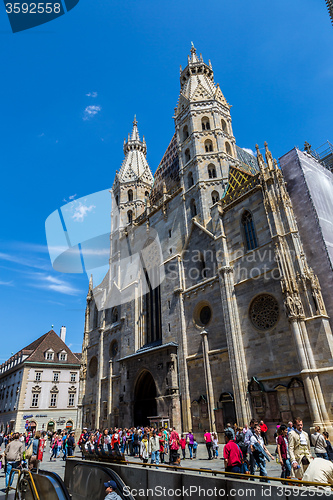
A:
x: 62, y: 356
x: 73, y: 377
x: 35, y: 399
x: 71, y: 398
x: 53, y: 402
x: 55, y: 376
x: 38, y: 376
x: 49, y: 355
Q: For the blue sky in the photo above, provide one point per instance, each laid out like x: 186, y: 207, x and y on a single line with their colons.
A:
x: 70, y: 89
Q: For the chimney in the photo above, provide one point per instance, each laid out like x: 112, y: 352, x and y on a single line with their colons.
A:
x: 63, y: 333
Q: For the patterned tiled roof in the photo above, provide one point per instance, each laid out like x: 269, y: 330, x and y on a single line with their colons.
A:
x: 167, y: 172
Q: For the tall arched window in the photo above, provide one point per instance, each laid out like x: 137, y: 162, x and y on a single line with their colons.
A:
x: 114, y: 315
x: 208, y: 146
x: 130, y: 216
x: 211, y: 171
x: 193, y: 208
x: 250, y: 238
x: 215, y: 197
x: 205, y: 123
x: 228, y: 148
x: 203, y: 269
x: 224, y: 125
x: 190, y: 180
x: 130, y: 195
x: 185, y: 133
x: 187, y: 155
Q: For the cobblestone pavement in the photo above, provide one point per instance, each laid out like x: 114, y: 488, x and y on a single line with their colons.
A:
x: 201, y: 462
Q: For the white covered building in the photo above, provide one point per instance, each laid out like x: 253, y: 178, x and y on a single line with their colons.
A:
x: 39, y: 386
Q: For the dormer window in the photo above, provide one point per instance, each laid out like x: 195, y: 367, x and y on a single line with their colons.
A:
x: 62, y: 356
x: 49, y: 355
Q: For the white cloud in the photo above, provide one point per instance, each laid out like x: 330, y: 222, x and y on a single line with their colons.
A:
x: 81, y: 211
x: 70, y: 198
x: 250, y: 151
x: 92, y: 94
x: 49, y: 282
x: 24, y: 261
x: 7, y: 283
x: 91, y: 111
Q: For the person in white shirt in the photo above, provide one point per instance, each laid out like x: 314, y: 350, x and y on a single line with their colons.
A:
x: 319, y: 471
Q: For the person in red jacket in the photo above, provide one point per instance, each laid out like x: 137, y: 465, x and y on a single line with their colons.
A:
x: 232, y: 455
x: 263, y: 431
x: 115, y: 441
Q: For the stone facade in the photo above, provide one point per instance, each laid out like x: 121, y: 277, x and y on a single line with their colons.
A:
x: 233, y: 329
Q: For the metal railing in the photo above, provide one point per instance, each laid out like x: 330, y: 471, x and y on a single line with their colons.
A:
x: 25, y: 473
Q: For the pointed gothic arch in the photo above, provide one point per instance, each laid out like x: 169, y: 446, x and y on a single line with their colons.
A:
x: 228, y: 148
x: 211, y: 171
x: 205, y: 123
x: 208, y: 146
x: 145, y: 393
x: 130, y: 194
x: 215, y: 197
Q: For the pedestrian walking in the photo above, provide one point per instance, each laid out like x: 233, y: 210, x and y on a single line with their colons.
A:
x: 182, y: 443
x: 209, y: 443
x: 215, y: 445
x: 154, y: 448
x: 144, y: 453
x: 283, y: 451
x: 233, y: 458
x: 174, y: 446
x: 259, y: 450
x: 195, y: 447
x: 263, y: 431
x: 329, y: 446
x: 319, y: 443
x: 13, y: 455
x: 299, y: 450
x: 190, y: 441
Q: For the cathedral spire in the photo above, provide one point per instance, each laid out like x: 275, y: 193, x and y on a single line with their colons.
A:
x: 135, y: 164
x: 197, y: 81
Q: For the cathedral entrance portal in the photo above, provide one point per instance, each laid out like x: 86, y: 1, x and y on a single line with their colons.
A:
x: 144, y: 399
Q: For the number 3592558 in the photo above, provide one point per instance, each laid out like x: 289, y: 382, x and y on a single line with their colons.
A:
x: 33, y: 8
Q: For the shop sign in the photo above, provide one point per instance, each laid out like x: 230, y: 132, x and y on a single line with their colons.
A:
x: 25, y: 417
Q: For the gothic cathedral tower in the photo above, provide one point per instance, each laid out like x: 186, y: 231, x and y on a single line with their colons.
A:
x: 206, y: 145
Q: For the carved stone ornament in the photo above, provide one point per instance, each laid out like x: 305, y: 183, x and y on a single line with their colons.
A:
x: 264, y: 312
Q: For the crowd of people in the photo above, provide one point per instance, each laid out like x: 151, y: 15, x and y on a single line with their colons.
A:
x: 26, y: 450
x: 245, y: 450
x: 161, y: 446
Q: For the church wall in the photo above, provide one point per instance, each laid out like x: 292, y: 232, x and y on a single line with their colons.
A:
x: 309, y: 227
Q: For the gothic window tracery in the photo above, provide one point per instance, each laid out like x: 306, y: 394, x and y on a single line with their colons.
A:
x: 205, y: 123
x: 249, y: 231
x: 208, y: 146
x: 264, y: 312
x: 211, y: 171
x: 215, y: 197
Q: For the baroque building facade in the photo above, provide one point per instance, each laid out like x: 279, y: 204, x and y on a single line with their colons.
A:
x: 214, y: 314
x: 39, y: 386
